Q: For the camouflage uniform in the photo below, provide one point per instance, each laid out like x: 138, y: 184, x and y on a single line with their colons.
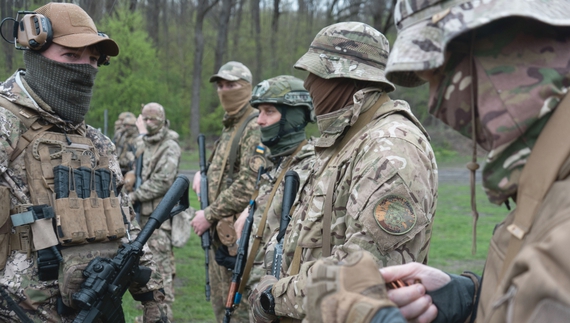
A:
x: 125, y: 142
x: 20, y: 276
x: 506, y: 64
x: 233, y: 198
x: 384, y: 180
x: 161, y: 157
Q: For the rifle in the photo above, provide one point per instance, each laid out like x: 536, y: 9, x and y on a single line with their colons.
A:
x: 289, y: 194
x: 204, y: 204
x: 234, y: 297
x: 138, y: 183
x: 107, y: 280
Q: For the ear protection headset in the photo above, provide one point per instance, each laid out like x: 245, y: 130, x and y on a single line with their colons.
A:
x: 34, y: 32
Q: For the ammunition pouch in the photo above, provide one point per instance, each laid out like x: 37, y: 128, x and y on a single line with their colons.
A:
x: 48, y: 264
x: 227, y: 234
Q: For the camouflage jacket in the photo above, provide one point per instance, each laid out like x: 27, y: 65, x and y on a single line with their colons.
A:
x: 13, y: 173
x: 161, y: 158
x: 125, y: 144
x: 302, y: 163
x: 234, y: 198
x: 384, y: 197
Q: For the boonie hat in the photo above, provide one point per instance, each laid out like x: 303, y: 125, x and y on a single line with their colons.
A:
x: 348, y: 49
x: 426, y: 27
x: 232, y: 71
x: 72, y: 27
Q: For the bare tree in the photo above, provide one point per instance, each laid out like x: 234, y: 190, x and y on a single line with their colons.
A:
x: 222, y: 44
x: 202, y: 9
x: 255, y: 15
x: 152, y: 19
x: 238, y: 14
x: 275, y: 32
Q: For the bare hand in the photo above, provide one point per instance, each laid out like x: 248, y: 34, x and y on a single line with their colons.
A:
x: 196, y: 183
x: 140, y: 125
x: 238, y: 225
x: 412, y: 300
x: 199, y: 223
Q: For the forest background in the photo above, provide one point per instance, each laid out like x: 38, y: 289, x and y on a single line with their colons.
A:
x: 170, y: 48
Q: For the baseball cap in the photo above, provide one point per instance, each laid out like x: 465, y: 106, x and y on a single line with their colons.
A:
x: 232, y: 71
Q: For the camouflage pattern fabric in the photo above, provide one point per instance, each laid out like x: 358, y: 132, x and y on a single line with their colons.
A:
x: 231, y: 200
x: 385, y: 185
x: 302, y: 163
x: 125, y: 143
x: 161, y: 158
x: 348, y: 49
x: 232, y: 71
x: 20, y: 278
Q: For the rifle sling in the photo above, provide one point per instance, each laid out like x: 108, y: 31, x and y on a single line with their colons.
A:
x: 263, y: 221
x: 537, y: 177
x: 232, y: 152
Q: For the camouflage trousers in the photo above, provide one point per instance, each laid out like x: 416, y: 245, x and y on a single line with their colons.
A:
x: 220, y: 280
x: 160, y: 244
x: 38, y: 299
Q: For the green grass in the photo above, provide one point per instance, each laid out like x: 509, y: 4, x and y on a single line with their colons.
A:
x: 450, y: 251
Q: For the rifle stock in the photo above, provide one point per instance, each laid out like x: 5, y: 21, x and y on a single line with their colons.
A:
x: 234, y: 297
x: 205, y: 237
x: 107, y: 280
x: 289, y: 194
x: 138, y: 183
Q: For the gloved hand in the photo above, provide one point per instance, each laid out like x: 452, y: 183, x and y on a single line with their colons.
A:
x: 223, y: 258
x: 349, y: 291
x: 153, y: 312
x: 259, y: 314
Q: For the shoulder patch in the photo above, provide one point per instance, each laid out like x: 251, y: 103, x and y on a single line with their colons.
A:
x: 394, y: 215
x: 257, y: 161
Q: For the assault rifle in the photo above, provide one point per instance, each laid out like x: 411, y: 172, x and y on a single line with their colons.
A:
x: 107, y: 280
x: 289, y: 194
x: 138, y: 183
x: 203, y: 205
x: 234, y: 297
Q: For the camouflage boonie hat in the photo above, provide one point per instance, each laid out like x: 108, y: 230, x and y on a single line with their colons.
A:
x: 348, y: 49
x: 426, y: 27
x: 283, y: 89
x: 232, y: 71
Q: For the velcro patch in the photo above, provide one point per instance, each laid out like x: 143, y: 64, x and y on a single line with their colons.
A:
x: 257, y: 161
x: 395, y: 215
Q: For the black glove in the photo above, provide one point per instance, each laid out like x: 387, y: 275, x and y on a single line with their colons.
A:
x: 223, y: 258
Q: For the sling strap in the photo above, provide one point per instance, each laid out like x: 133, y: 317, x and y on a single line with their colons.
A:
x: 30, y: 119
x: 537, y: 177
x: 263, y: 221
x: 232, y: 152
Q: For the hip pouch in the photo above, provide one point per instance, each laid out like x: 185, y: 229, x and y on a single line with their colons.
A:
x: 227, y: 234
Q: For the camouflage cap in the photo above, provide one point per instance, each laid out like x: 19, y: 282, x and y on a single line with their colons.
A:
x: 232, y: 71
x: 348, y: 49
x: 426, y: 27
x: 284, y: 89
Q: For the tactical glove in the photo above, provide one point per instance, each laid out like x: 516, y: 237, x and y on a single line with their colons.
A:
x: 349, y: 291
x: 259, y: 314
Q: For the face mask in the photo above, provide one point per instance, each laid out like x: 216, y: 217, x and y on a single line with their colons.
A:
x: 234, y: 100
x: 66, y: 88
x: 293, y: 132
x: 324, y: 121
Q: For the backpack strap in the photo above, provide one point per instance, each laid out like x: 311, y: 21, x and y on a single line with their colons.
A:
x: 537, y: 177
x: 30, y: 118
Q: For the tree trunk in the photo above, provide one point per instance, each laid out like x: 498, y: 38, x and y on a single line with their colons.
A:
x: 152, y: 21
x: 222, y: 44
x: 257, y: 36
x: 274, y: 34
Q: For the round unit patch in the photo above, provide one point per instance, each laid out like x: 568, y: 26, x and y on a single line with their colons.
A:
x: 395, y: 215
x: 256, y: 161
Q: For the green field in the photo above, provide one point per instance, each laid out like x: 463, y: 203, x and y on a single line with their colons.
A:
x: 450, y: 250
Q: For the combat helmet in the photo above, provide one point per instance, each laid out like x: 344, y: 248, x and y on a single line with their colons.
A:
x: 284, y: 90
x: 232, y: 71
x: 426, y: 27
x: 350, y: 50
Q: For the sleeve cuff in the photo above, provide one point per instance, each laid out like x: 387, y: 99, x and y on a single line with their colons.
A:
x: 458, y: 296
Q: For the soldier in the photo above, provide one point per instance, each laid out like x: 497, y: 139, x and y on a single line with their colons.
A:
x: 126, y: 134
x: 42, y: 111
x: 499, y: 73
x: 231, y: 177
x: 285, y: 108
x: 374, y: 184
x: 160, y: 159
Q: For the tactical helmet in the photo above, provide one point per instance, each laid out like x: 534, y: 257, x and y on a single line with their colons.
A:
x: 284, y: 89
x: 130, y: 120
x: 232, y: 71
x: 348, y: 49
x: 426, y: 27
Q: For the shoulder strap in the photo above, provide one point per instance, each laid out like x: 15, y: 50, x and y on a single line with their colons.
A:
x: 263, y: 221
x: 235, y: 144
x: 30, y: 119
x: 240, y: 126
x: 538, y: 175
x: 362, y: 121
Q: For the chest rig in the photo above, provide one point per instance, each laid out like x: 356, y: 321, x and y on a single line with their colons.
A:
x: 72, y: 191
